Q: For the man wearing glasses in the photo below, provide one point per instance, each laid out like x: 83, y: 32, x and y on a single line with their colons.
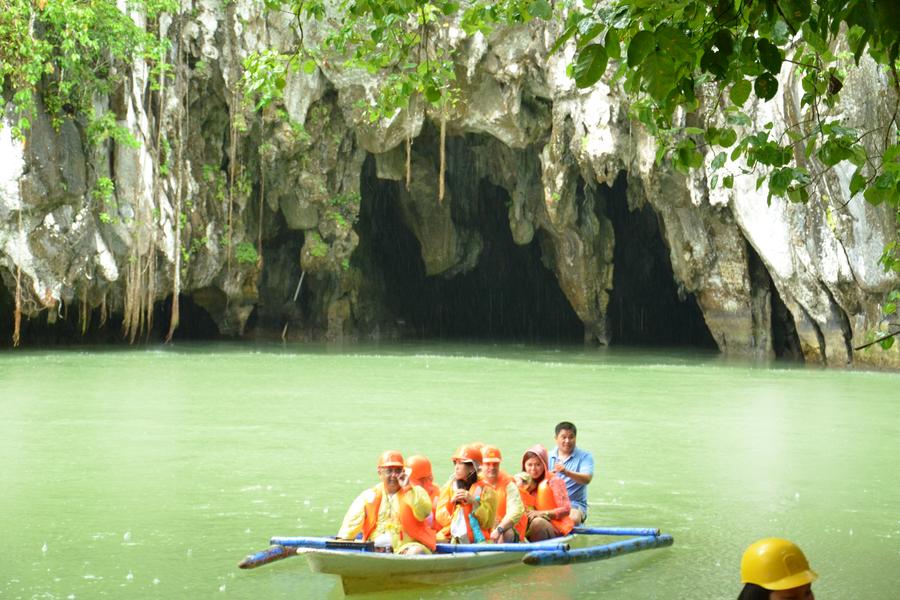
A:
x: 392, y: 510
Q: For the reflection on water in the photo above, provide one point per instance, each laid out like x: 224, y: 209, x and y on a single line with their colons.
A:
x: 152, y: 473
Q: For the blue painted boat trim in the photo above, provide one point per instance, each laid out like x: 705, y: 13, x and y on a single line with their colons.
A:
x: 639, y: 531
x: 541, y: 558
x: 266, y: 556
x: 322, y: 543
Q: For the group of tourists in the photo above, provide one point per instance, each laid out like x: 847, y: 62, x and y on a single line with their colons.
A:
x: 407, y: 513
x: 480, y: 503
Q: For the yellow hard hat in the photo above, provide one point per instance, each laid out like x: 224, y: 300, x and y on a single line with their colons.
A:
x: 776, y: 564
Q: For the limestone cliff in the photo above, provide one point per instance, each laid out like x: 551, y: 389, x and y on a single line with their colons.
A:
x: 275, y: 214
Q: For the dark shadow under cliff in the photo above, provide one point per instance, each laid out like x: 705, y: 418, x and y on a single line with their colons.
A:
x: 67, y: 328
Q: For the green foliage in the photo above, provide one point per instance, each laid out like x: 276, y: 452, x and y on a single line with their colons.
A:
x: 265, y: 75
x: 103, y: 192
x: 245, y: 253
x: 590, y: 66
x: 69, y: 50
x: 103, y: 127
x: 104, y: 189
x: 318, y: 247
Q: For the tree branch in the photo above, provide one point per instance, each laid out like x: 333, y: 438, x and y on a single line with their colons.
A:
x: 878, y: 341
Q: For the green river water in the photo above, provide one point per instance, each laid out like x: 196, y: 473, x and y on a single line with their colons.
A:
x: 151, y: 473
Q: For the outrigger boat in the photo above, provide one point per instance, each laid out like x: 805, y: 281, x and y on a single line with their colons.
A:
x: 361, y: 569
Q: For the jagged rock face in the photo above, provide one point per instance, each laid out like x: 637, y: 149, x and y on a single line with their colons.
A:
x: 233, y: 207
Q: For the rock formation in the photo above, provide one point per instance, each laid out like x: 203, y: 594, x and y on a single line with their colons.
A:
x: 257, y: 213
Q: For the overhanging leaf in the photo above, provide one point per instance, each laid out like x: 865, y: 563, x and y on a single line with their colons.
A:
x: 769, y: 55
x: 590, y: 65
x: 740, y: 91
x: 612, y: 44
x: 563, y: 38
x: 540, y: 9
x: 640, y: 46
x: 766, y: 86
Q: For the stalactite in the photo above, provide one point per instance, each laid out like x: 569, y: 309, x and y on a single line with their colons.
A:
x: 232, y: 170
x: 408, y: 161
x: 259, y: 224
x: 17, y: 317
x: 131, y: 308
x: 409, y: 137
x: 104, y: 311
x: 442, y: 174
x: 175, y: 315
x: 150, y: 287
x: 84, y: 312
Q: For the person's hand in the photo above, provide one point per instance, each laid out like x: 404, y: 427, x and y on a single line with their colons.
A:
x: 461, y: 497
x: 559, y: 468
x: 403, y: 478
x: 496, y: 535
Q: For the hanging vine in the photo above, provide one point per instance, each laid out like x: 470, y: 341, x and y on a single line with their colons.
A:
x: 17, y: 317
x: 175, y: 314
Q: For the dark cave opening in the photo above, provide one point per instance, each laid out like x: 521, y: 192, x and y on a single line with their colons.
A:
x: 646, y: 307
x: 279, y: 282
x: 67, y: 329
x: 785, y: 340
x: 509, y: 296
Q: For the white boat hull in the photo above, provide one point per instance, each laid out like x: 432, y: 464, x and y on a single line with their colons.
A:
x: 370, y: 571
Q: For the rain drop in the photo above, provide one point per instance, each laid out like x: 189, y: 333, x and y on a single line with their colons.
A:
x: 130, y: 576
x: 222, y: 588
x: 190, y: 552
x: 126, y: 537
x: 306, y: 503
x: 325, y: 510
x: 156, y: 581
x: 71, y: 596
x: 44, y: 548
x: 797, y: 496
x: 851, y: 532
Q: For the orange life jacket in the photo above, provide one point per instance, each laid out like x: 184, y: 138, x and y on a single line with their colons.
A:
x: 542, y: 499
x: 410, y: 525
x: 433, y: 492
x: 503, y: 480
x: 467, y: 510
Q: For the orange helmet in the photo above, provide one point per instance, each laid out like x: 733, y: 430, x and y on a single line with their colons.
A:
x: 419, y: 467
x: 490, y: 454
x: 390, y: 458
x: 478, y: 445
x: 467, y: 454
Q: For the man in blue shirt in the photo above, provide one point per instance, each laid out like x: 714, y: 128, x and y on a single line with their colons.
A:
x: 575, y: 466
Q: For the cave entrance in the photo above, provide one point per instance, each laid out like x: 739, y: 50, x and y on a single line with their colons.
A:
x: 785, y: 340
x: 645, y: 307
x: 510, y: 295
